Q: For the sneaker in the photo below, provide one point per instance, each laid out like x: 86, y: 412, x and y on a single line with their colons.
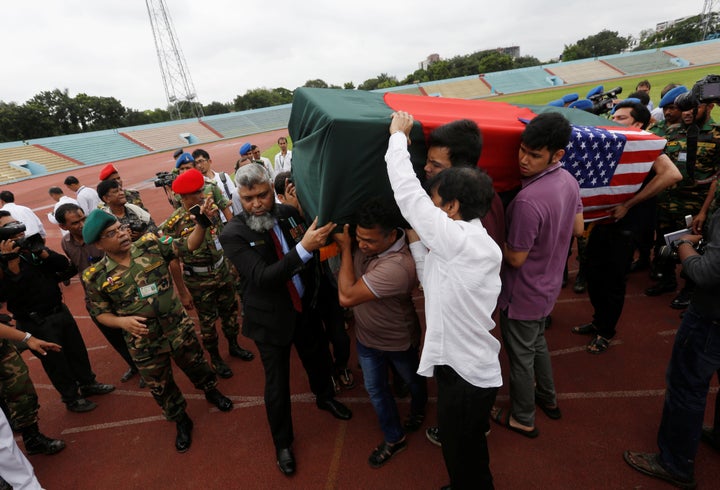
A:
x: 385, y: 451
x: 80, y: 405
x: 433, y: 435
x: 96, y: 389
x: 413, y: 422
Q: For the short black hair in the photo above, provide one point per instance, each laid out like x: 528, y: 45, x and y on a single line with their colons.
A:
x: 62, y: 211
x: 643, y: 97
x: 379, y: 212
x: 200, y: 153
x: 279, y: 183
x: 549, y: 130
x: 463, y: 140
x: 638, y: 111
x: 71, y: 179
x: 4, y: 213
x: 472, y: 187
x: 106, y: 186
x: 282, y: 138
x: 643, y: 82
x: 7, y: 196
x: 55, y: 190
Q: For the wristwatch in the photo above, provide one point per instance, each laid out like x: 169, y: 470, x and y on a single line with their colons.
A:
x: 27, y: 337
x: 676, y: 244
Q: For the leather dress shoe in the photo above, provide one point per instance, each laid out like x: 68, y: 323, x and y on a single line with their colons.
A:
x: 223, y: 403
x: 80, y: 405
x: 184, y: 434
x: 243, y: 354
x: 286, y: 461
x: 682, y: 300
x: 337, y: 409
x: 96, y: 389
x: 660, y: 288
x: 129, y: 374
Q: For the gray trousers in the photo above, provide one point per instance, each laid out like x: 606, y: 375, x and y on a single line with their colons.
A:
x: 530, y: 368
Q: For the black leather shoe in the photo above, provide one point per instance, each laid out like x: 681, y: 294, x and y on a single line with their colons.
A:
x: 580, y: 284
x: 682, y: 300
x: 80, y: 405
x: 243, y: 354
x: 286, y: 461
x: 129, y: 374
x: 660, y: 288
x: 223, y: 403
x: 96, y: 389
x: 38, y: 443
x: 220, y: 368
x: 184, y: 434
x: 337, y: 409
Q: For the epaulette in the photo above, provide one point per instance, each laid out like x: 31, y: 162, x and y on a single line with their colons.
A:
x: 92, y: 271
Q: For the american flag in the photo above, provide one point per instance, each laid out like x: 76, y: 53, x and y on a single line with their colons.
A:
x: 610, y: 165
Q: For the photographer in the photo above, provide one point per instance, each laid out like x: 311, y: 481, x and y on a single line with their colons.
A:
x: 115, y: 200
x: 695, y: 359
x: 29, y: 283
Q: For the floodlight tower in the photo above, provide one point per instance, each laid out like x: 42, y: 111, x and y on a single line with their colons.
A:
x: 179, y: 89
x: 707, y: 15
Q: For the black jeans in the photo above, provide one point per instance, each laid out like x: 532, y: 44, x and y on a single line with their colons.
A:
x: 463, y: 419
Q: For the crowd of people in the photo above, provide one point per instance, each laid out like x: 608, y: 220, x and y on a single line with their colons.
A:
x: 240, y: 249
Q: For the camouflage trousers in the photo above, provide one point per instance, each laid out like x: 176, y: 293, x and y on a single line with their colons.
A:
x: 170, y: 337
x: 16, y: 388
x: 215, y: 298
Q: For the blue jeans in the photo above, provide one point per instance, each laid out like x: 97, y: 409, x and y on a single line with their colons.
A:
x: 695, y: 359
x: 374, y: 364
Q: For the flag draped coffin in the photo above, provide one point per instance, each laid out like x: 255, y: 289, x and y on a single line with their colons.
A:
x: 340, y: 138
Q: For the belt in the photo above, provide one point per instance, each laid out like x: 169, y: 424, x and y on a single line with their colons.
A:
x: 210, y: 268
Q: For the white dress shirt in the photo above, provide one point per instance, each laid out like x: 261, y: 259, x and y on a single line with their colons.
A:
x: 87, y: 199
x: 283, y: 163
x: 460, y: 274
x: 25, y: 215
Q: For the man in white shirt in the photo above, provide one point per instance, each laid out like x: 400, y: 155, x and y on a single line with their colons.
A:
x: 283, y: 160
x: 23, y: 214
x: 60, y: 198
x: 203, y: 163
x: 460, y: 268
x: 87, y: 198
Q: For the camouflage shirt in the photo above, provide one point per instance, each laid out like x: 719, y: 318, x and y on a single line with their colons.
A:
x: 210, y: 189
x: 133, y: 197
x: 179, y: 225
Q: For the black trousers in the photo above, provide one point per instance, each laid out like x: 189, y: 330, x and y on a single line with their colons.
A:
x: 69, y: 368
x: 609, y: 255
x: 312, y: 348
x: 463, y: 419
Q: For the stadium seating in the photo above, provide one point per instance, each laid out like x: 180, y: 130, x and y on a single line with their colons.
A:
x: 641, y: 62
x: 242, y: 123
x: 95, y: 147
x: 11, y: 152
x: 521, y: 80
x: 583, y: 71
x: 697, y: 53
x: 164, y: 136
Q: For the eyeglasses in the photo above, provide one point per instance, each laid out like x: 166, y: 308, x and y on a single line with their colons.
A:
x: 113, y: 233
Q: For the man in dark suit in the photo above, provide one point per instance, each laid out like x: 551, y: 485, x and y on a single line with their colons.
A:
x: 273, y: 252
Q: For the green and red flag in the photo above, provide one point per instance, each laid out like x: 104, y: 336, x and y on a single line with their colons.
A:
x: 340, y: 138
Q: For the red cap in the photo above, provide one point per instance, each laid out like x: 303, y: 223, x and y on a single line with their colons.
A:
x: 107, y: 171
x: 188, y: 182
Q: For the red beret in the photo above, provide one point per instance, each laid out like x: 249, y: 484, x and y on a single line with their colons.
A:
x: 107, y: 171
x: 188, y: 182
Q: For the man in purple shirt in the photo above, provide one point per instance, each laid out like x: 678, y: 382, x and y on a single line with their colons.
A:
x: 540, y: 222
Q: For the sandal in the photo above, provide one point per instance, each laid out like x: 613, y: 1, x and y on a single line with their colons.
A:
x: 586, y: 329
x: 385, y: 451
x: 502, y: 417
x: 552, y: 412
x: 649, y: 464
x: 598, y: 345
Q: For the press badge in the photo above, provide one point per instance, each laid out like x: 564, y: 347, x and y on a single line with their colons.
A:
x: 148, y: 290
x: 682, y: 156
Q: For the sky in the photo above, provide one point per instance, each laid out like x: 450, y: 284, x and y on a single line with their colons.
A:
x: 106, y: 47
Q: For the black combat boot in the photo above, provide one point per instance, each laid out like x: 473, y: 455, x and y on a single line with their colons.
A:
x: 237, y: 351
x: 37, y: 443
x: 184, y: 434
x: 221, y: 369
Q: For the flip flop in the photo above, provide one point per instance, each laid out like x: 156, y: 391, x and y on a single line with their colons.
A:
x: 552, y: 412
x: 502, y: 417
x: 649, y: 464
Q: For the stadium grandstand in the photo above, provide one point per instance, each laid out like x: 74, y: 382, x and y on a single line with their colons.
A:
x: 26, y: 159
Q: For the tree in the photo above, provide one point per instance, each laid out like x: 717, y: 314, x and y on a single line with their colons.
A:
x: 603, y: 43
x: 317, y: 83
x: 495, y: 61
x: 687, y: 31
x: 214, y: 108
x: 349, y: 86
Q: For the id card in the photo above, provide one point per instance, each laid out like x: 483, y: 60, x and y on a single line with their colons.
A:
x: 218, y: 246
x: 148, y: 290
x: 682, y: 156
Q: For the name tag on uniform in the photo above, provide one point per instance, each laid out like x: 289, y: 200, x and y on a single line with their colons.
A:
x: 682, y: 156
x: 218, y: 246
x: 147, y: 291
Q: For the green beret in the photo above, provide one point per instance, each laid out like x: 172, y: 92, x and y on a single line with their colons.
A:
x: 95, y: 223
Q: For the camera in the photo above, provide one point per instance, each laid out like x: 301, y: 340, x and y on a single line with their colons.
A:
x: 705, y: 91
x: 164, y: 179
x: 11, y: 230
x: 137, y: 225
x: 603, y: 102
x: 670, y: 252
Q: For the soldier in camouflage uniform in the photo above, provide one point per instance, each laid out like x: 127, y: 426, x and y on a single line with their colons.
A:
x: 186, y: 162
x: 115, y: 203
x: 109, y: 172
x: 17, y: 392
x: 687, y: 196
x: 131, y: 288
x: 206, y: 272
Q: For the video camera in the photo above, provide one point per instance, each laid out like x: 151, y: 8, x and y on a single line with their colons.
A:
x: 33, y: 243
x: 164, y: 179
x: 705, y: 91
x: 603, y: 102
x: 668, y: 253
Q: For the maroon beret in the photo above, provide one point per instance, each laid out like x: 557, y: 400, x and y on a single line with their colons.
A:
x: 107, y: 171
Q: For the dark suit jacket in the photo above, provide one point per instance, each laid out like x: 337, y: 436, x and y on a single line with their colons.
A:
x: 269, y: 313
